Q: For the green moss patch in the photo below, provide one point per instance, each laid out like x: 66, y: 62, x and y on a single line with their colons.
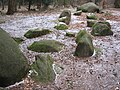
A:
x: 36, y: 33
x: 46, y: 46
x: 69, y: 34
x: 82, y: 34
x: 61, y: 27
x: 42, y: 69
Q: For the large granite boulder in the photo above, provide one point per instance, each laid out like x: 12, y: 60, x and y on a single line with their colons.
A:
x: 70, y: 34
x: 65, y: 17
x: 89, y: 7
x: 33, y: 33
x: 101, y: 29
x: 46, y: 46
x: 85, y: 46
x: 13, y: 64
x: 42, y: 69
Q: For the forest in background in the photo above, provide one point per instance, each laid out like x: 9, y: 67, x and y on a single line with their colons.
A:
x: 41, y: 5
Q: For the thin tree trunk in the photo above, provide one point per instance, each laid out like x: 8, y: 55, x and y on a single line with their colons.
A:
x: 19, y: 4
x: 64, y: 3
x: 29, y: 6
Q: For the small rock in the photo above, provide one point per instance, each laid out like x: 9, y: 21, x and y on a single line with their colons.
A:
x: 77, y: 13
x: 69, y: 34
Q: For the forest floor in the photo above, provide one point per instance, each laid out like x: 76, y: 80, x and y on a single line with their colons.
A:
x: 98, y: 72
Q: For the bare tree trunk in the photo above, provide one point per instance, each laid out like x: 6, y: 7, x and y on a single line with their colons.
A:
x: 73, y: 3
x: 23, y: 2
x: 19, y: 4
x: 39, y: 4
x: 15, y: 8
x: 2, y: 4
x: 64, y: 3
x: 103, y: 4
x: 11, y: 7
x: 29, y: 6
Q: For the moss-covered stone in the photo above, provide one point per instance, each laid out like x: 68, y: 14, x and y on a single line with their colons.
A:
x: 42, y: 69
x: 92, y: 16
x: 100, y: 29
x: 61, y: 26
x: 90, y: 23
x: 46, y: 46
x: 69, y: 34
x: 67, y: 15
x: 85, y: 46
x: 89, y: 7
x: 77, y: 13
x: 13, y: 64
x: 18, y: 40
x: 36, y: 33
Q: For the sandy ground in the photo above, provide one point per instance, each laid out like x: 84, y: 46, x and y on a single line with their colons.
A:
x: 99, y: 72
